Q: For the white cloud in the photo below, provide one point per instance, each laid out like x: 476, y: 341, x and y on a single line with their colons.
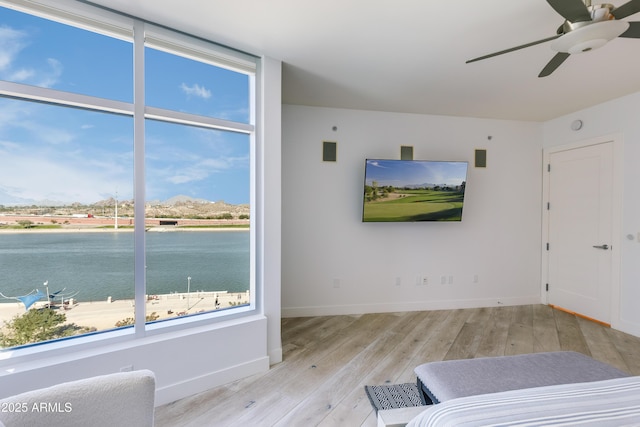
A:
x: 21, y: 75
x: 11, y: 113
x: 25, y: 118
x: 49, y: 161
x: 196, y: 90
x: 204, y: 168
x: 72, y: 177
x: 11, y: 43
x: 50, y: 77
x: 49, y: 134
x: 184, y: 177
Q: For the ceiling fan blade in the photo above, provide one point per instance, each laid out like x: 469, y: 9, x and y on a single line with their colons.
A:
x: 633, y: 32
x: 571, y: 10
x: 626, y: 9
x: 491, y: 55
x: 555, y: 62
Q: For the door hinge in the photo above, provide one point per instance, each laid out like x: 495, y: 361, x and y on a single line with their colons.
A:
x: 547, y: 246
x: 548, y: 205
x: 547, y: 287
x: 548, y: 167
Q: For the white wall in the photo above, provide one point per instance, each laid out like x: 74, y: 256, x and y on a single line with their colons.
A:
x: 619, y: 118
x: 271, y: 202
x: 335, y: 264
x: 186, y: 361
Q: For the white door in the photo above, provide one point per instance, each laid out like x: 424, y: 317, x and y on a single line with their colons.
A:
x: 580, y: 230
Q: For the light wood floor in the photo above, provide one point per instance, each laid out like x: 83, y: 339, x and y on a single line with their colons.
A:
x: 329, y: 360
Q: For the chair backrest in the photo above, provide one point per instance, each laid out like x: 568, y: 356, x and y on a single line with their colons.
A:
x: 120, y: 399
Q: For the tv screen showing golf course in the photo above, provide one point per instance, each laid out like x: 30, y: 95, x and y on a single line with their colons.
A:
x: 413, y: 190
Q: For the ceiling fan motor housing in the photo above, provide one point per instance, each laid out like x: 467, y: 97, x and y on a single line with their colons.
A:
x: 589, y: 36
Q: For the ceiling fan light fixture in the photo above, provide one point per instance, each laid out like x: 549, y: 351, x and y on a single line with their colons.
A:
x: 587, y: 46
x: 589, y: 37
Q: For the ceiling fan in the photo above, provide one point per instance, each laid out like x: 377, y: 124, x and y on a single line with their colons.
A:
x: 586, y: 27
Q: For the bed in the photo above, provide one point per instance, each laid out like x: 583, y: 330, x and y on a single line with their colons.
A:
x: 612, y: 402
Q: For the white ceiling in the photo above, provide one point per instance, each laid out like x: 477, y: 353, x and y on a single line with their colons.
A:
x: 409, y: 55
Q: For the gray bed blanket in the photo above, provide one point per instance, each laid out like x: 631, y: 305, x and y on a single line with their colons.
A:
x: 613, y: 402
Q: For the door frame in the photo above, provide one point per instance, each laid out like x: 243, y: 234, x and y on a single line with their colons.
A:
x: 616, y: 216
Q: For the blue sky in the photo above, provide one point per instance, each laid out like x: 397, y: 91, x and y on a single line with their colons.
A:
x: 399, y: 173
x: 50, y: 153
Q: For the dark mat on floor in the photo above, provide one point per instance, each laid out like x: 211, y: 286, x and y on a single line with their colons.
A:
x: 393, y: 396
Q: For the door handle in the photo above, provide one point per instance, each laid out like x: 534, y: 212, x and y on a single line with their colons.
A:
x: 605, y: 247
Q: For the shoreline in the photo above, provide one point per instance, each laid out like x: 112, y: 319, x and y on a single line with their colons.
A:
x: 118, y: 230
x: 103, y: 315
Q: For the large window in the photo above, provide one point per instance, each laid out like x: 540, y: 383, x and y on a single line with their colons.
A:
x: 126, y: 192
x: 198, y: 212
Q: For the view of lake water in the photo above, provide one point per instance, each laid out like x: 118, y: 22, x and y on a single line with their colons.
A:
x: 99, y: 265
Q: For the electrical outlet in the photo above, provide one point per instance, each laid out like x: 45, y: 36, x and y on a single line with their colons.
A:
x: 451, y: 280
x: 443, y: 280
x: 336, y: 283
x: 425, y: 280
x: 398, y: 281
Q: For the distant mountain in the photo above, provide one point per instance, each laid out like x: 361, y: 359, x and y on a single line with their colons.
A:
x: 175, y: 200
x: 429, y: 186
x: 106, y: 202
x: 183, y: 199
x: 9, y: 200
x: 425, y: 185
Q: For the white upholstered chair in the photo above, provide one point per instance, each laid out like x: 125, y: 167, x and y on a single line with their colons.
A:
x: 120, y: 399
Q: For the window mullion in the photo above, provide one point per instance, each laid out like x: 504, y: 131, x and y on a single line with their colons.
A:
x: 77, y: 14
x: 62, y: 98
x: 199, y: 50
x: 139, y: 178
x: 178, y: 117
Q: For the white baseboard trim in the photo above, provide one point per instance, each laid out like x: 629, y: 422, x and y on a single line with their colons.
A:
x: 336, y: 310
x: 275, y: 356
x: 189, y: 387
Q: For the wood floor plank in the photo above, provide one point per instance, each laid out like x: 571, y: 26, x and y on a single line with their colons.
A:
x: 185, y: 411
x: 437, y: 347
x: 496, y: 332
x: 523, y: 314
x: 628, y: 347
x: 315, y: 329
x: 328, y: 360
x: 520, y: 336
x: 371, y: 421
x: 468, y: 340
x: 423, y: 344
x: 545, y: 333
x: 569, y: 333
x: 601, y: 345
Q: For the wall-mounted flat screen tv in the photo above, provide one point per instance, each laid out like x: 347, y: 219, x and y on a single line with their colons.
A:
x: 413, y: 190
